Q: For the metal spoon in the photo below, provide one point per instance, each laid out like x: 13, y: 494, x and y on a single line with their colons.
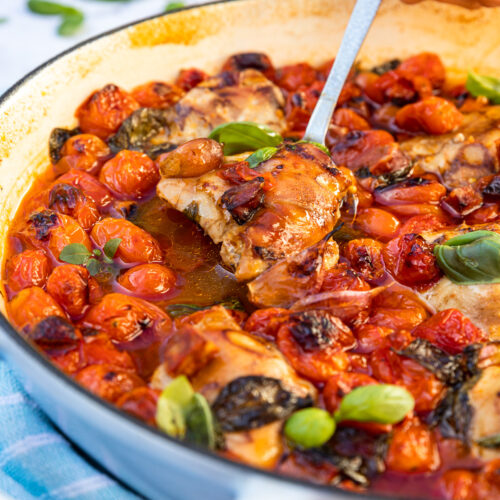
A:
x: 361, y: 19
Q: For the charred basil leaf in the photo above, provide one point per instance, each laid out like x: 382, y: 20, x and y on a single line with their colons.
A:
x: 313, y: 330
x: 144, y: 130
x: 177, y: 310
x: 390, y: 65
x: 54, y: 334
x: 487, y: 86
x: 492, y: 441
x: 57, y: 139
x: 253, y: 401
x: 43, y: 222
x: 493, y: 188
x: 471, y: 258
x: 239, y: 137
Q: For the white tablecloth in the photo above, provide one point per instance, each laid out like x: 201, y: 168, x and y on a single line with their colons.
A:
x: 27, y: 40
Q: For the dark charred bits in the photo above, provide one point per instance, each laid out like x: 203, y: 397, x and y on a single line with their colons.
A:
x: 254, y: 401
x: 144, y: 130
x: 43, y: 222
x: 57, y: 139
x: 308, y: 265
x: 390, y: 65
x: 54, y: 334
x: 493, y: 188
x: 64, y: 197
x: 407, y: 183
x: 244, y: 200
x: 125, y: 209
x: 255, y: 60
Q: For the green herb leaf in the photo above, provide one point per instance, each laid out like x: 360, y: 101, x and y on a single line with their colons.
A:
x: 200, y: 422
x: 179, y: 391
x: 70, y: 24
x: 262, y: 154
x: 492, y: 441
x: 51, y: 8
x: 239, y: 137
x: 3, y: 20
x: 318, y: 145
x: 75, y: 253
x: 381, y: 403
x: 177, y: 310
x: 486, y: 86
x: 111, y: 247
x: 310, y: 427
x: 97, y: 252
x: 471, y: 258
x: 174, y: 6
x: 170, y: 418
x: 93, y: 266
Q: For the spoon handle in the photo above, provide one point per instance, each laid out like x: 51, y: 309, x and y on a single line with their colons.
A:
x: 361, y: 19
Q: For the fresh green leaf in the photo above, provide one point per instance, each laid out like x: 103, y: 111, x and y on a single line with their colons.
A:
x: 51, y: 8
x: 262, y: 154
x: 200, y: 422
x: 93, y: 266
x: 75, y: 253
x: 486, y: 86
x: 97, y: 252
x: 492, y: 441
x: 170, y: 417
x: 70, y: 24
x: 310, y: 427
x: 174, y: 6
x: 179, y: 391
x: 238, y: 137
x: 3, y: 20
x: 318, y: 145
x: 111, y: 247
x: 380, y: 403
x: 471, y: 258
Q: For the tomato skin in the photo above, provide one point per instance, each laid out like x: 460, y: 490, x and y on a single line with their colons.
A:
x: 458, y: 485
x: 123, y: 318
x: 89, y: 185
x: 104, y: 111
x: 30, y: 306
x: 99, y: 350
x: 190, y: 78
x: 69, y: 286
x: 141, y: 403
x: 377, y: 223
x: 294, y: 76
x: 130, y: 175
x: 84, y: 152
x: 410, y: 259
x: 425, y: 64
x: 413, y: 449
x: 412, y: 191
x: 433, y: 115
x: 148, y: 281
x: 421, y: 223
x: 137, y: 246
x: 156, y: 94
x: 266, y: 322
x: 365, y: 256
x: 108, y: 382
x: 450, y: 330
x: 343, y: 278
x: 67, y: 232
x: 345, y: 117
x: 372, y: 337
x: 70, y: 200
x: 488, y: 213
x: 390, y: 87
x: 27, y: 269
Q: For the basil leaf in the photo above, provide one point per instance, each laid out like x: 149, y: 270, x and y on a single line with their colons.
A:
x: 200, y: 422
x: 318, y: 145
x: 174, y: 6
x: 471, y: 258
x: 486, y: 86
x: 170, y: 418
x: 492, y: 441
x: 3, y: 20
x: 93, y: 266
x: 239, y: 137
x: 381, y: 403
x: 70, y: 24
x: 179, y: 391
x: 51, y: 8
x: 310, y: 427
x: 177, y: 310
x: 75, y: 253
x: 262, y: 154
x: 111, y: 247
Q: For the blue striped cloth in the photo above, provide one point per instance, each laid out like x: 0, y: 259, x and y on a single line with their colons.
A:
x: 36, y: 462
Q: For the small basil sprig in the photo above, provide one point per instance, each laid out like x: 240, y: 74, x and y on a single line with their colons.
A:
x: 471, y: 258
x: 261, y: 155
x: 317, y: 144
x: 487, y: 86
x: 174, y: 6
x: 185, y: 414
x: 379, y: 403
x: 238, y: 137
x: 71, y: 18
x: 95, y: 261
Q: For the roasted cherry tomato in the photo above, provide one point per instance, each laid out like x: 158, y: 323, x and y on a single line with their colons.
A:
x: 89, y: 185
x: 149, y: 281
x: 246, y: 60
x: 156, y: 94
x: 426, y: 65
x: 104, y: 111
x: 130, y: 175
x: 27, y: 269
x: 84, y: 152
x: 266, y: 322
x: 99, y: 350
x: 298, y: 75
x: 108, y: 382
x: 343, y: 277
x: 190, y: 78
x: 345, y: 117
x: 365, y: 256
x: 377, y: 223
x: 450, y: 330
x: 137, y: 246
x: 141, y: 403
x: 124, y: 318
